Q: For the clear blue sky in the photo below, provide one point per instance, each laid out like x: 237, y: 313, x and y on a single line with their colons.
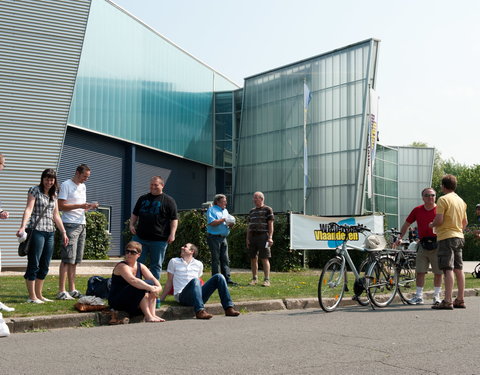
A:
x: 429, y: 58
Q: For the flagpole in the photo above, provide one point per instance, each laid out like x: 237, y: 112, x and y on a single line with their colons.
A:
x: 305, y: 153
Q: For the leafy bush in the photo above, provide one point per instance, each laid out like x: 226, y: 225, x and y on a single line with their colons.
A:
x: 192, y: 227
x: 98, y: 239
x: 471, y: 250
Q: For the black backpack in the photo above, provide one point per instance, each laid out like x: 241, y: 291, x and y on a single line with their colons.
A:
x: 99, y: 286
x: 476, y: 271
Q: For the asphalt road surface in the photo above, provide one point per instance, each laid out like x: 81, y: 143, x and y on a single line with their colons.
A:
x: 353, y: 340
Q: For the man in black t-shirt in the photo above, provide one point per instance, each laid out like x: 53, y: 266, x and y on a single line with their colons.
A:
x: 154, y: 223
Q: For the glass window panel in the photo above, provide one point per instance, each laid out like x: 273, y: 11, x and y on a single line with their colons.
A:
x: 223, y: 102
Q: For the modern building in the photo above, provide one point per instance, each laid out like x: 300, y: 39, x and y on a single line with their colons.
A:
x: 84, y: 81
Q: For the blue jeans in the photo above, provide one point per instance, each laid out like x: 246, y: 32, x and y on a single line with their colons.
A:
x: 219, y: 248
x: 157, y: 250
x: 196, y: 295
x: 39, y: 255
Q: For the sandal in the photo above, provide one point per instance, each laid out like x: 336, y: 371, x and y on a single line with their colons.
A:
x: 444, y: 305
x: 459, y: 304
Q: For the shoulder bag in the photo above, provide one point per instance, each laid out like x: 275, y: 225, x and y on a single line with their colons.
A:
x: 24, y: 246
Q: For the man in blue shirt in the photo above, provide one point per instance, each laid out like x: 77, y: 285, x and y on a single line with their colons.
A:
x: 219, y: 222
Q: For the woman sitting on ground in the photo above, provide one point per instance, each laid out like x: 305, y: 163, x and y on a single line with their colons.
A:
x: 128, y: 291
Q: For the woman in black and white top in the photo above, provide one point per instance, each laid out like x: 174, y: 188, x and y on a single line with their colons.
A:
x: 42, y: 197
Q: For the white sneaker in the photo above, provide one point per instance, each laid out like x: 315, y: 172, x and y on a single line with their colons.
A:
x: 75, y: 294
x: 37, y: 301
x: 6, y: 308
x: 64, y: 296
x: 416, y: 300
x: 45, y: 299
x: 436, y: 299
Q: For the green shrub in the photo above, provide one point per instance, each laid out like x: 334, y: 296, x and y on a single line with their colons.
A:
x: 97, y: 244
x: 471, y: 250
x: 192, y: 228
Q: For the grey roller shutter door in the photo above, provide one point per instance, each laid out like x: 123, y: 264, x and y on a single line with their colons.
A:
x: 105, y: 157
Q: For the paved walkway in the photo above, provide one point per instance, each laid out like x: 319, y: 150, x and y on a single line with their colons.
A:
x: 105, y: 267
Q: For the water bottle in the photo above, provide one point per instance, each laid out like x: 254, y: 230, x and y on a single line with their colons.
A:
x: 158, y: 303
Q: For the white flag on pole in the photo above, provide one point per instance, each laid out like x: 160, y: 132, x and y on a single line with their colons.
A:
x: 307, y: 96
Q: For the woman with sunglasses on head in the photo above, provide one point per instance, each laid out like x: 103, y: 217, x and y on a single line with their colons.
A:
x: 128, y: 291
x: 41, y: 213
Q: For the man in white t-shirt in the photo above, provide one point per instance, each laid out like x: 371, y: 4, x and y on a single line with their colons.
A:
x: 72, y: 200
x: 184, y: 275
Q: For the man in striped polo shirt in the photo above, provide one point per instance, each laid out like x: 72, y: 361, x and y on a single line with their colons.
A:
x: 259, y: 237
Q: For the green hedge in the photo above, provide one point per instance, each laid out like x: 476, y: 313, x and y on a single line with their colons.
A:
x: 97, y: 244
x: 192, y: 228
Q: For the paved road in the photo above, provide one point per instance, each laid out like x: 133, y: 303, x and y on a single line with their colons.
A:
x: 353, y: 340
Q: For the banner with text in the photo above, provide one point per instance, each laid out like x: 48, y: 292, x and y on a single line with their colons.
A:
x: 312, y: 232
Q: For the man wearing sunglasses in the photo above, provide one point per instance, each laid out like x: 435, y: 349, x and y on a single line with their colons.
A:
x: 184, y: 274
x: 426, y: 248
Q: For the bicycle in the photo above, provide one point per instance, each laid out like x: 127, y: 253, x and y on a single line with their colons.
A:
x: 405, y: 261
x: 379, y: 282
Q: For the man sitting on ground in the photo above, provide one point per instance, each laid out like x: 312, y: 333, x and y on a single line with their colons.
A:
x: 184, y: 275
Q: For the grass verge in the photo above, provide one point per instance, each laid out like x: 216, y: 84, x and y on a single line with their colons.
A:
x: 301, y: 284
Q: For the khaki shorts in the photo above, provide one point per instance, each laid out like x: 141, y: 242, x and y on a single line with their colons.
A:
x: 425, y: 258
x: 73, y: 253
x: 450, y: 253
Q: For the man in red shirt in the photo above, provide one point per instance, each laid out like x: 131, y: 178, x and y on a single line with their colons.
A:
x: 427, y: 247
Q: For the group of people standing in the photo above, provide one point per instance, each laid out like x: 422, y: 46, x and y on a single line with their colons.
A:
x: 441, y: 240
x: 40, y: 217
x: 153, y: 223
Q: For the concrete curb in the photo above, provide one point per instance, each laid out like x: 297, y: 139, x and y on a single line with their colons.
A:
x: 28, y: 324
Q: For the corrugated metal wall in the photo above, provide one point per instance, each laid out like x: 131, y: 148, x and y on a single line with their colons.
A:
x: 40, y: 47
x: 185, y: 180
x: 415, y: 170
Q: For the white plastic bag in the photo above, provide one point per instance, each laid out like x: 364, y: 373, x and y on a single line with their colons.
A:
x: 4, y: 331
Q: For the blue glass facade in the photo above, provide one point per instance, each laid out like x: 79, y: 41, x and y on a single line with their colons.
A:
x: 135, y: 85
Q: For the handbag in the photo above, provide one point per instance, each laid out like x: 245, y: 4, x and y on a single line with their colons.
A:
x: 24, y: 246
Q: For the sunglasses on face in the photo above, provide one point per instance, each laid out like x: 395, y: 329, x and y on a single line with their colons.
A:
x: 428, y: 195
x: 133, y: 252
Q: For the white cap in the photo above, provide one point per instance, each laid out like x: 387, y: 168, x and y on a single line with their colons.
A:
x: 23, y: 237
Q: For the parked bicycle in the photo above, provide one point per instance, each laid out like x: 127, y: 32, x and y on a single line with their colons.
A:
x: 405, y: 259
x: 380, y: 273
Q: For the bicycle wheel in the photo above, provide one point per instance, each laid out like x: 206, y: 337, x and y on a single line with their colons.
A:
x: 331, y: 285
x: 382, y: 281
x: 406, y: 280
x: 361, y: 295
